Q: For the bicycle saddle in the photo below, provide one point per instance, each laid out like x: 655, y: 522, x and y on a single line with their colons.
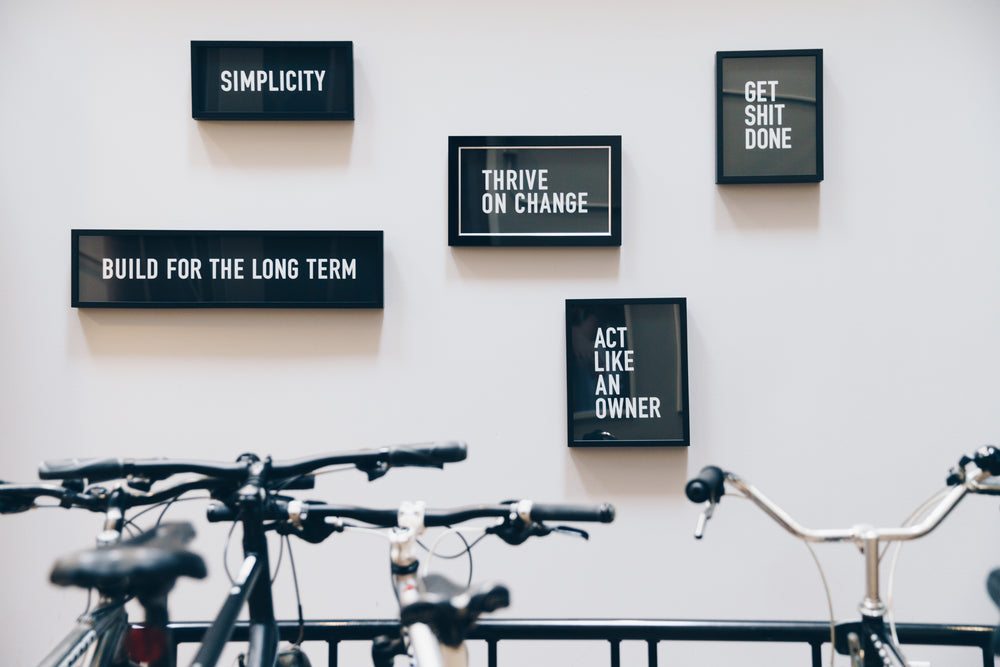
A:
x: 145, y: 565
x: 451, y: 610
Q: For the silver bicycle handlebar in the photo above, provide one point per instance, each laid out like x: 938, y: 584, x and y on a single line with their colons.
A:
x: 859, y: 533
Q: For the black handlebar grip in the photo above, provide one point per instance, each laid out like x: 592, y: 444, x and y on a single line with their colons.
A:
x: 93, y: 469
x: 435, y: 454
x: 988, y: 459
x: 708, y: 485
x: 218, y: 511
x: 604, y: 513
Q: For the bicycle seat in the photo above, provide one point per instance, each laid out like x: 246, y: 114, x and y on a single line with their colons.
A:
x: 452, y: 610
x: 146, y: 565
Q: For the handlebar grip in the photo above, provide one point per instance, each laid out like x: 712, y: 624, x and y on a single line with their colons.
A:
x: 604, y: 513
x: 708, y: 485
x: 218, y: 511
x: 435, y: 454
x: 988, y: 459
x: 96, y: 470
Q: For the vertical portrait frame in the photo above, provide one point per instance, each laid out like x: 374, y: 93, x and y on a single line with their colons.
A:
x: 763, y: 135
x: 627, y: 372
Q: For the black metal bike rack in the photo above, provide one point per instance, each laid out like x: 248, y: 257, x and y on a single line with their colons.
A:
x: 615, y: 631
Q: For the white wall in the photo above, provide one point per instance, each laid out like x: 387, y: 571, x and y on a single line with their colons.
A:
x: 843, y: 337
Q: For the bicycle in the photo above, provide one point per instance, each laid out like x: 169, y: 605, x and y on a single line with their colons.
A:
x: 143, y: 567
x: 436, y: 614
x: 246, y: 492
x: 870, y: 643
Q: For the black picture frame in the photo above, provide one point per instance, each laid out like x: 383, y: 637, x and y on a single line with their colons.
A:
x: 769, y: 116
x: 627, y: 372
x: 127, y: 268
x: 566, y: 190
x: 267, y: 99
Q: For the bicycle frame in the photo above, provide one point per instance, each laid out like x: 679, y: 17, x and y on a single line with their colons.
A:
x: 251, y: 587
x: 96, y: 639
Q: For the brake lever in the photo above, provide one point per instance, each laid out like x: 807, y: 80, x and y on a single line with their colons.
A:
x: 373, y: 470
x: 571, y: 530
x: 302, y: 525
x: 139, y: 483
x: 706, y: 514
x: 516, y: 531
x: 313, y: 532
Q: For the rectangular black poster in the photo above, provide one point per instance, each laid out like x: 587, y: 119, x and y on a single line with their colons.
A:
x: 626, y: 372
x: 528, y: 191
x: 226, y: 269
x: 769, y: 116
x: 272, y: 80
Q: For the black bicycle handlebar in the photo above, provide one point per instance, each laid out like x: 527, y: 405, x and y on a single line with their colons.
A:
x: 16, y: 498
x: 373, y: 461
x: 100, y: 470
x: 433, y: 518
x: 708, y: 485
x: 21, y: 497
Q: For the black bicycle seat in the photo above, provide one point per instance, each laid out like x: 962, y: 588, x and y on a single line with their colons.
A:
x: 141, y: 566
x: 452, y: 610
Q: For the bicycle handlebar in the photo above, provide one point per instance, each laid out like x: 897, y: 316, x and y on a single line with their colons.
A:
x: 521, y: 519
x: 16, y: 498
x: 526, y: 510
x: 102, y: 470
x: 375, y: 462
x: 710, y: 485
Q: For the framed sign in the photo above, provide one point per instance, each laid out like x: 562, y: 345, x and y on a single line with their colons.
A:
x: 230, y: 269
x: 534, y: 191
x: 626, y: 372
x: 272, y: 80
x: 769, y: 116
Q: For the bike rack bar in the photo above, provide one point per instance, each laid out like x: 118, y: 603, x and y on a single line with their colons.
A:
x: 815, y: 634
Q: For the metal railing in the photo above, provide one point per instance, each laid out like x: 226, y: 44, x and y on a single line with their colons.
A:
x: 615, y: 631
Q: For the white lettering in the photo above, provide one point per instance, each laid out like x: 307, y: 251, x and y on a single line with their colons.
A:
x: 260, y: 80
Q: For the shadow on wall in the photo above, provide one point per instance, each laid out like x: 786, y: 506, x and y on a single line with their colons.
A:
x: 229, y: 333
x: 279, y: 144
x: 627, y: 471
x: 273, y: 144
x: 531, y: 264
x: 768, y: 207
